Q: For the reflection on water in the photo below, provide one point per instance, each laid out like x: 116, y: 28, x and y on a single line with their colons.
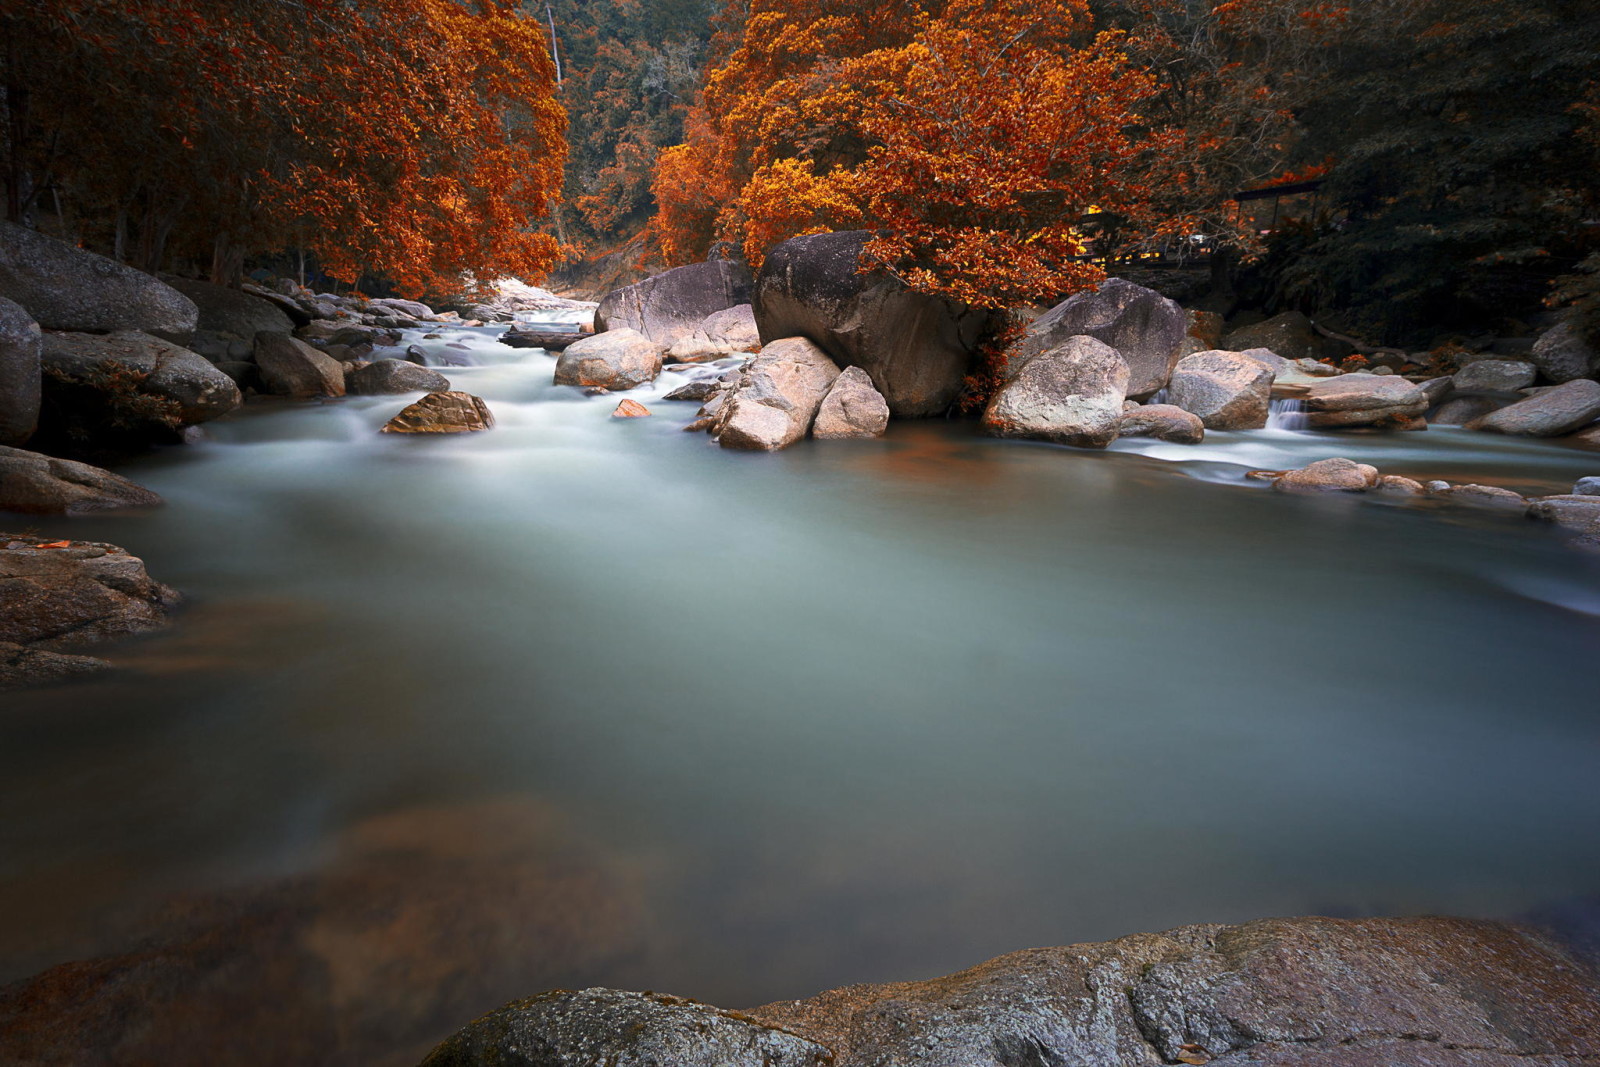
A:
x: 585, y: 700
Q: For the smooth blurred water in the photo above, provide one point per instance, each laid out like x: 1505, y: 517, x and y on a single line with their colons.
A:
x: 854, y: 711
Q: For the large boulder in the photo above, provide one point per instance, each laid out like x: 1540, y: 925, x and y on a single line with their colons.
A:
x: 1563, y: 409
x: 86, y: 591
x: 224, y: 310
x: 667, y: 306
x: 1290, y: 335
x: 1164, y: 422
x: 451, y: 412
x: 44, y: 485
x: 589, y: 1027
x: 1493, y: 377
x: 1071, y: 394
x: 1385, y: 400
x: 620, y: 358
x: 66, y: 288
x: 1562, y: 353
x: 1228, y: 390
x: 852, y: 408
x: 109, y: 392
x: 723, y: 333
x: 776, y: 398
x: 394, y: 376
x: 916, y: 348
x: 20, y: 343
x: 1426, y: 992
x: 1145, y: 328
x: 290, y: 367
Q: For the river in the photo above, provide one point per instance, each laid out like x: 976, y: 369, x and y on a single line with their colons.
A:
x: 585, y: 700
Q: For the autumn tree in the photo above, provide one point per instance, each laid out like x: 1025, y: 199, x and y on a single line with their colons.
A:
x: 413, y: 139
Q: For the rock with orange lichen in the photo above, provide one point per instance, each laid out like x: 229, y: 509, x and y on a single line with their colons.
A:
x: 447, y: 412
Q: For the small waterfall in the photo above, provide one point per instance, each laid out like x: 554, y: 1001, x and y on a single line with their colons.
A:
x: 1159, y: 397
x: 1287, y: 413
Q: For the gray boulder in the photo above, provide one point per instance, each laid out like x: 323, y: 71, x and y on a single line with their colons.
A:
x: 1567, y: 407
x: 1563, y: 354
x: 394, y: 376
x: 451, y: 412
x: 1229, y: 391
x: 411, y: 309
x: 777, y: 397
x: 1494, y: 377
x: 590, y: 1027
x: 66, y: 288
x: 1328, y: 476
x: 1071, y: 394
x: 1425, y: 992
x: 916, y: 348
x: 1587, y: 487
x: 1569, y: 509
x: 852, y: 408
x: 130, y: 381
x: 1460, y: 410
x: 1364, y: 400
x: 723, y: 333
x: 1145, y: 328
x: 1164, y: 422
x: 20, y: 344
x: 44, y: 485
x: 671, y: 305
x: 230, y: 311
x: 620, y: 358
x: 290, y: 367
x: 1290, y: 335
x: 57, y: 598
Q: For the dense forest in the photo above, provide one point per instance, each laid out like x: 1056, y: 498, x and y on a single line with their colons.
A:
x: 1005, y: 152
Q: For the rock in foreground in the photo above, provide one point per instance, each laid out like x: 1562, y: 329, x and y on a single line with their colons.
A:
x: 1145, y: 328
x: 452, y: 412
x: 620, y: 358
x: 36, y: 484
x: 1228, y: 390
x: 852, y: 408
x: 776, y: 398
x: 1071, y: 394
x: 1425, y: 992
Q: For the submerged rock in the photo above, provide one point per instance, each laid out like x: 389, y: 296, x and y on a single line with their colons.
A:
x: 671, y: 305
x: 1568, y: 509
x: 1557, y: 411
x: 916, y: 348
x: 44, y: 485
x: 449, y: 412
x: 776, y: 398
x: 1071, y: 394
x: 1228, y: 390
x: 66, y: 288
x: 852, y: 408
x: 1484, y: 496
x: 1428, y: 992
x: 22, y: 666
x: 1396, y: 485
x: 1329, y: 476
x: 1145, y: 328
x: 620, y: 358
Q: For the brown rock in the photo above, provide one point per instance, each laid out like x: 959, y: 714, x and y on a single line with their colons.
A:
x: 776, y: 398
x: 852, y: 408
x: 631, y: 409
x: 1350, y: 400
x: 290, y: 367
x: 1395, y: 485
x: 1228, y: 390
x: 21, y: 666
x: 1489, y: 496
x: 1071, y: 394
x: 1329, y: 476
x: 87, y: 591
x: 620, y: 358
x: 450, y: 412
x: 1165, y: 422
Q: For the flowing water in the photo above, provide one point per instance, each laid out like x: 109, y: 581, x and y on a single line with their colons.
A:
x: 585, y: 700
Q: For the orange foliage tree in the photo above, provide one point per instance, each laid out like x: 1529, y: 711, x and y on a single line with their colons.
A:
x: 411, y: 139
x: 980, y: 138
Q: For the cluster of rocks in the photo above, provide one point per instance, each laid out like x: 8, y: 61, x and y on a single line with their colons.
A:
x: 56, y: 597
x: 1271, y: 993
x: 1578, y: 510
